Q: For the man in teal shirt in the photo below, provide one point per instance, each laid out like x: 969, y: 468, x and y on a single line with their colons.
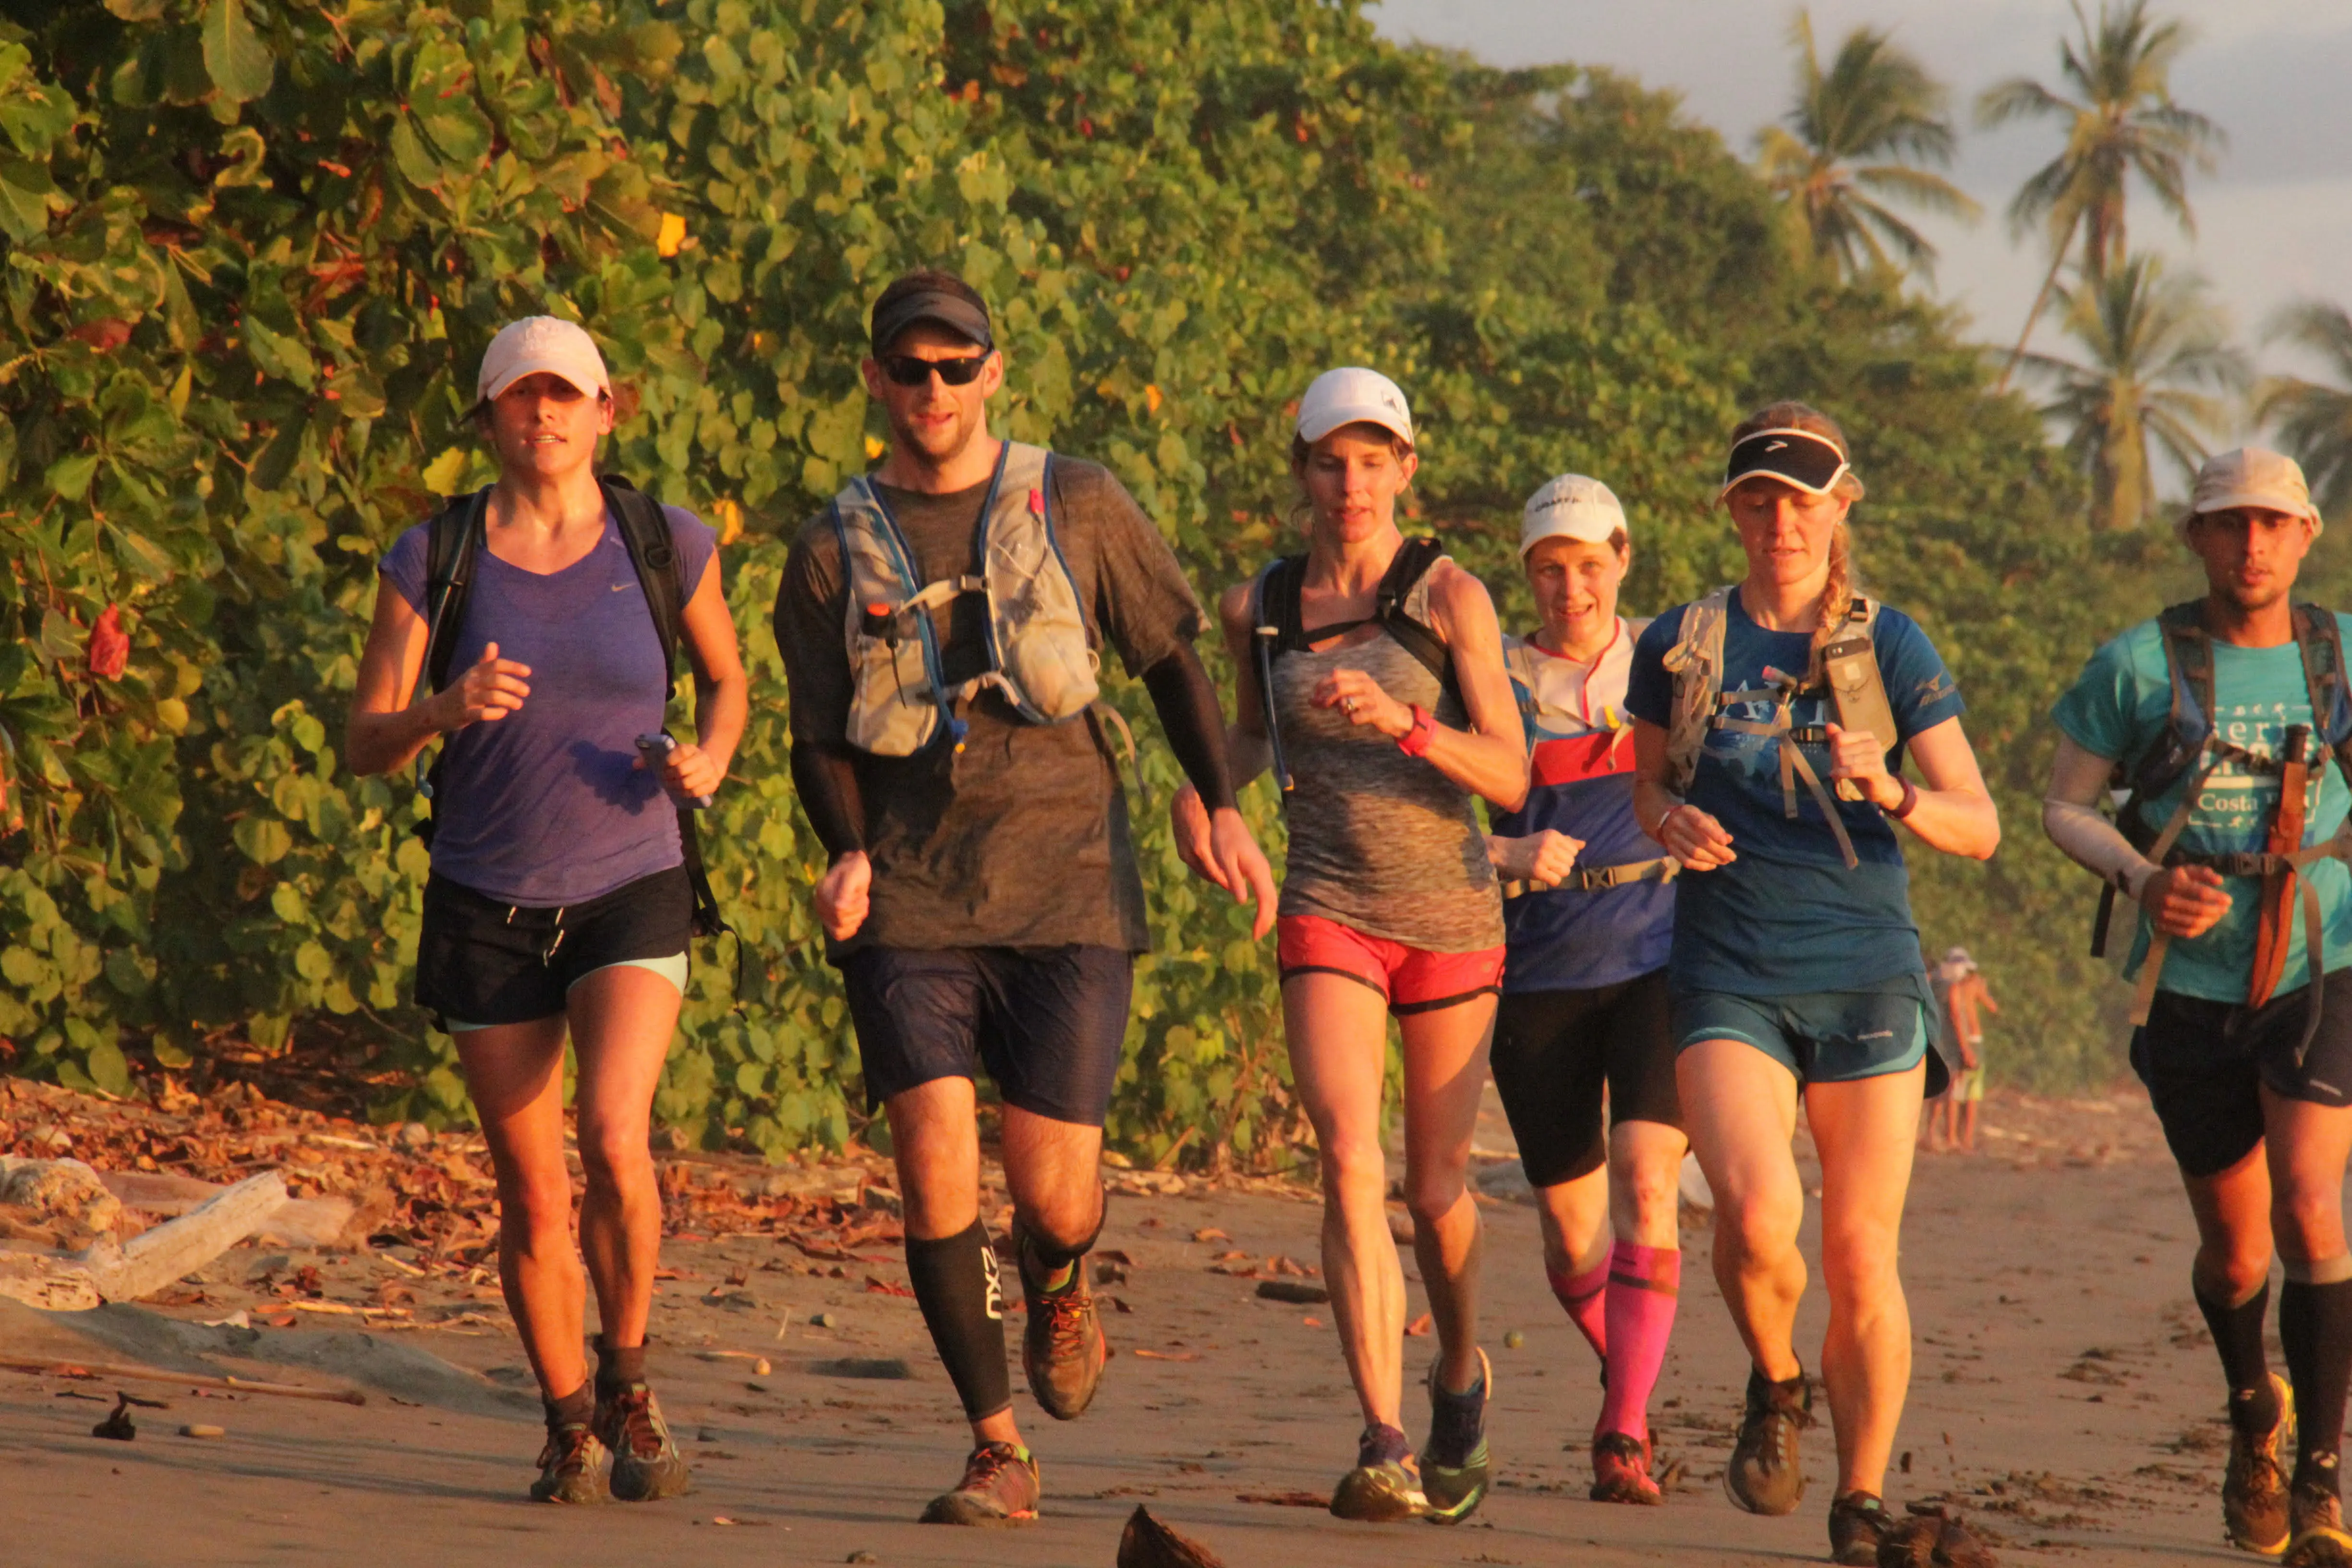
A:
x: 2249, y: 1065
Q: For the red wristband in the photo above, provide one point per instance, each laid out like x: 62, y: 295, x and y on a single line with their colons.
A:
x: 1415, y: 743
x: 1902, y: 808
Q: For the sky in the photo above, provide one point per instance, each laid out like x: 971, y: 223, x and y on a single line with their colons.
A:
x: 2274, y: 218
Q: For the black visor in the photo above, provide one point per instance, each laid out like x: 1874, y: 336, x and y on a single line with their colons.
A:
x: 957, y: 314
x: 1811, y: 463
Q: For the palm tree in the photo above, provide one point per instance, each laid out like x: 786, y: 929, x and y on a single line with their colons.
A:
x: 2315, y: 420
x: 1855, y: 134
x: 2121, y: 121
x: 2156, y: 371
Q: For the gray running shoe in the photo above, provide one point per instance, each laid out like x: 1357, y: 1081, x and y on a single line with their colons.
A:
x: 1765, y: 1476
x: 999, y: 1485
x: 647, y: 1464
x: 571, y: 1468
x: 2254, y: 1486
x: 1062, y: 1345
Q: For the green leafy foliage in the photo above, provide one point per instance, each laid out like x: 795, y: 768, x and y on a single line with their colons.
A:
x: 254, y: 250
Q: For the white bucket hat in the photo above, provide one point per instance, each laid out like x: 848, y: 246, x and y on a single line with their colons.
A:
x: 537, y: 343
x: 1570, y: 507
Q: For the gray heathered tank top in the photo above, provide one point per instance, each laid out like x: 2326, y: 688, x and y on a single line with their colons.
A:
x: 1382, y: 842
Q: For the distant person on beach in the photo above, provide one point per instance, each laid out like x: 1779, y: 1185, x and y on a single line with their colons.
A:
x: 2229, y: 718
x: 941, y: 624
x: 1960, y: 990
x: 1589, y: 912
x: 1372, y: 680
x: 561, y: 900
x: 1796, y: 969
x: 1966, y: 998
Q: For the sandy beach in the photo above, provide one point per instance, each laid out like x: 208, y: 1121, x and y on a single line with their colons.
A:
x: 2065, y: 1396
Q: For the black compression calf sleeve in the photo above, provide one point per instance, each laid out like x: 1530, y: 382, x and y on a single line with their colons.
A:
x: 955, y: 1285
x: 2238, y: 1340
x: 2316, y: 1332
x: 1186, y: 701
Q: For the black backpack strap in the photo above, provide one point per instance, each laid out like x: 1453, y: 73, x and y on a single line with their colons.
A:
x: 1405, y: 572
x: 2321, y: 643
x: 645, y: 530
x: 1276, y: 601
x: 453, y: 542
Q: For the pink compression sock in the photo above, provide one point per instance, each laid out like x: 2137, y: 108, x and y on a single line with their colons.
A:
x: 1644, y: 1283
x: 1583, y: 1295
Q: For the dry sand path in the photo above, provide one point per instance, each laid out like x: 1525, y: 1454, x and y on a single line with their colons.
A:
x: 2063, y: 1392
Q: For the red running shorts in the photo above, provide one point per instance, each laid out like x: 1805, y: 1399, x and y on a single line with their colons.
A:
x: 1410, y: 979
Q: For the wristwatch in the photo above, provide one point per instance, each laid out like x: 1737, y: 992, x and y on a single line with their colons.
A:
x: 1902, y: 808
x: 1414, y: 742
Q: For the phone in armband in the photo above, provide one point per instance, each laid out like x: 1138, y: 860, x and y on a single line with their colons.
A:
x: 657, y: 747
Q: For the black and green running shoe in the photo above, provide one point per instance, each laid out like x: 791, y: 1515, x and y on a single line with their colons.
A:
x: 1454, y: 1465
x: 1385, y: 1485
x: 646, y: 1464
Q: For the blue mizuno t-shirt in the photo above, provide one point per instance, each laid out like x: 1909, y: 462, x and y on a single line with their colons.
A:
x: 1787, y: 916
x: 2118, y: 709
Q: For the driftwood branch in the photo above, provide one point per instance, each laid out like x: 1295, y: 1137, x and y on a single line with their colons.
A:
x: 78, y: 1281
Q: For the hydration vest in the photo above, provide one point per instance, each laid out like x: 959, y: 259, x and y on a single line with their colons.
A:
x: 1275, y: 615
x: 2189, y: 742
x: 1849, y: 668
x: 454, y: 542
x: 1038, y: 656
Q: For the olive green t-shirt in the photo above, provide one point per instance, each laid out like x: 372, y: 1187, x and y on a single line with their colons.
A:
x: 1019, y: 839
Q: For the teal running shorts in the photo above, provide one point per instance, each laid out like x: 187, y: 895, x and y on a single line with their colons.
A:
x: 1822, y: 1036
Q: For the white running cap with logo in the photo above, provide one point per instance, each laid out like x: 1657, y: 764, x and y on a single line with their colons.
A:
x: 1570, y: 507
x: 2252, y: 476
x: 1352, y: 395
x: 542, y: 344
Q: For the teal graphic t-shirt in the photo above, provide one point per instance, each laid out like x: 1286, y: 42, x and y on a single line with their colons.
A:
x: 2118, y: 709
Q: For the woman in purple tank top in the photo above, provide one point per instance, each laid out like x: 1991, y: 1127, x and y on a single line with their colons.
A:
x: 559, y: 905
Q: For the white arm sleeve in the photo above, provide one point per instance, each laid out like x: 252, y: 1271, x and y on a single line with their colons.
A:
x: 2071, y: 816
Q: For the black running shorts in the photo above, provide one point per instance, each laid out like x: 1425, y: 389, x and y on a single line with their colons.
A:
x: 2202, y: 1062
x: 1553, y: 1052
x: 1048, y: 1022
x: 480, y: 962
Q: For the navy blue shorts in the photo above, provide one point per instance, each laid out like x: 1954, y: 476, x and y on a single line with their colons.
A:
x: 1048, y: 1023
x: 1824, y: 1037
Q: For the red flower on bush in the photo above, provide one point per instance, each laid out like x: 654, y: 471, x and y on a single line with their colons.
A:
x: 109, y: 645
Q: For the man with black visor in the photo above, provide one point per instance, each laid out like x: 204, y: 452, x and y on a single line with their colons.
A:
x: 940, y: 624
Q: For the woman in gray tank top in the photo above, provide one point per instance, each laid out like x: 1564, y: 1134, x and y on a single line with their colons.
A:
x: 1391, y: 709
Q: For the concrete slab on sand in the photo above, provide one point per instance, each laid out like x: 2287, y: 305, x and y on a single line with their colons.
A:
x: 2062, y: 1389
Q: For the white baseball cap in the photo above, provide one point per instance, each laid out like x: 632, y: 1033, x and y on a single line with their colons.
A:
x: 538, y: 344
x: 1570, y: 507
x: 1352, y: 395
x: 2252, y: 476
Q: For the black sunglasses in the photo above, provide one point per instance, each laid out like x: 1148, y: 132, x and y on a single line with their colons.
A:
x: 908, y: 371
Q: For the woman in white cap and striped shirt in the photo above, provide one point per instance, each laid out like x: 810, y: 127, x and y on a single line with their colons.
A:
x: 560, y: 904
x: 1591, y: 913
x: 1382, y: 663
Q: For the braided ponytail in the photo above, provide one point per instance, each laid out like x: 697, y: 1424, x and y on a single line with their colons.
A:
x: 1841, y: 588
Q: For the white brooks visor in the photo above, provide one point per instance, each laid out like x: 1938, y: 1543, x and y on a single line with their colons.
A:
x: 1352, y: 395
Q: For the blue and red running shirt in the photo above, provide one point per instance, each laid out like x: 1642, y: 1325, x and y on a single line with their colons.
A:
x: 1580, y: 755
